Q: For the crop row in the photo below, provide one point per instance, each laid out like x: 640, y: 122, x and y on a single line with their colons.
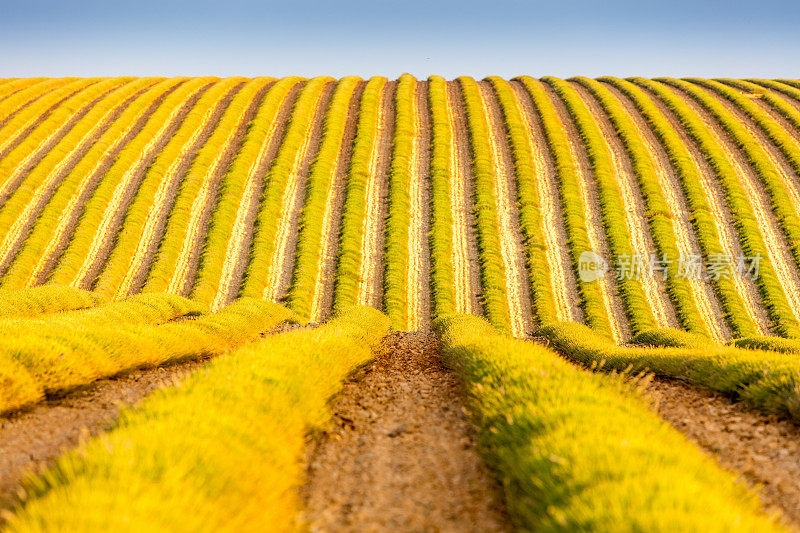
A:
x: 58, y: 352
x: 223, y: 452
x: 749, y: 233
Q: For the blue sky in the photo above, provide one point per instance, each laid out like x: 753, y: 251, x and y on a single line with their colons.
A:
x: 560, y: 38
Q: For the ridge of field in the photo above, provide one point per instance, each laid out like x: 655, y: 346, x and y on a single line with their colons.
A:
x: 416, y: 197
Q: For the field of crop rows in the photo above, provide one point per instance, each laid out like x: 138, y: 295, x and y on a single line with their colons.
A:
x: 633, y: 226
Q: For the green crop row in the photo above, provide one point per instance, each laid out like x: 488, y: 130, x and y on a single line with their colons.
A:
x: 766, y: 380
x: 757, y: 155
x: 20, y: 211
x: 20, y: 160
x: 232, y: 189
x: 83, y: 246
x: 749, y: 233
x: 395, y: 281
x: 45, y: 299
x: 441, y: 232
x: 659, y: 215
x: 53, y: 355
x: 41, y: 106
x: 223, y: 452
x: 574, y: 210
x: 195, y: 183
x: 320, y: 181
x: 351, y: 233
x: 637, y: 309
x: 701, y: 215
x: 56, y: 221
x: 530, y: 218
x: 576, y: 451
x: 787, y: 90
x: 145, y: 218
x: 268, y: 220
x: 493, y: 280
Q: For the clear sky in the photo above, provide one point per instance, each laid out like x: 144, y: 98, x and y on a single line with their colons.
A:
x: 734, y: 38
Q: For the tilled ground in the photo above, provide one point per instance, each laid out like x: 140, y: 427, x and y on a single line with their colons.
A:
x: 764, y: 450
x: 30, y: 441
x: 401, y: 454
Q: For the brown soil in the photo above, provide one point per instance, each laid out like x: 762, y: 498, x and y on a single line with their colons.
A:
x: 420, y: 254
x: 723, y: 218
x: 322, y: 304
x: 686, y: 238
x: 594, y: 223
x: 32, y: 94
x: 32, y: 212
x: 32, y: 440
x: 468, y: 291
x: 307, y: 157
x: 376, y: 205
x: 635, y: 212
x: 65, y: 230
x: 564, y: 283
x: 21, y: 132
x: 401, y: 455
x: 154, y: 240
x: 511, y: 239
x: 775, y: 241
x: 764, y: 450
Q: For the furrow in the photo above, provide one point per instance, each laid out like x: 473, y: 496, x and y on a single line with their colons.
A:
x: 238, y: 247
x: 48, y: 133
x: 280, y: 271
x: 58, y: 164
x: 419, y: 298
x: 679, y: 212
x: 322, y: 301
x: 20, y: 100
x: 124, y: 192
x: 511, y: 247
x: 562, y: 278
x: 212, y: 105
x: 778, y: 251
x: 466, y: 275
x: 620, y: 329
x: 66, y: 206
x: 203, y: 204
x: 372, y: 242
x: 635, y: 215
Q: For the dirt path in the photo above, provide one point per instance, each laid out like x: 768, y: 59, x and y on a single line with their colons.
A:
x: 322, y: 302
x: 620, y: 328
x: 68, y: 220
x: 722, y: 217
x: 512, y: 248
x: 764, y: 450
x: 655, y: 288
x: 33, y: 439
x: 562, y: 278
x: 419, y: 254
x: 686, y: 239
x: 401, y: 455
x: 283, y: 258
x: 466, y: 266
x: 370, y: 284
x: 777, y: 248
x: 156, y: 220
x: 25, y: 220
x: 203, y: 204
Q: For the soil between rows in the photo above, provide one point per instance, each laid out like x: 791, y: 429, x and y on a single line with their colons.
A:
x: 401, y: 454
